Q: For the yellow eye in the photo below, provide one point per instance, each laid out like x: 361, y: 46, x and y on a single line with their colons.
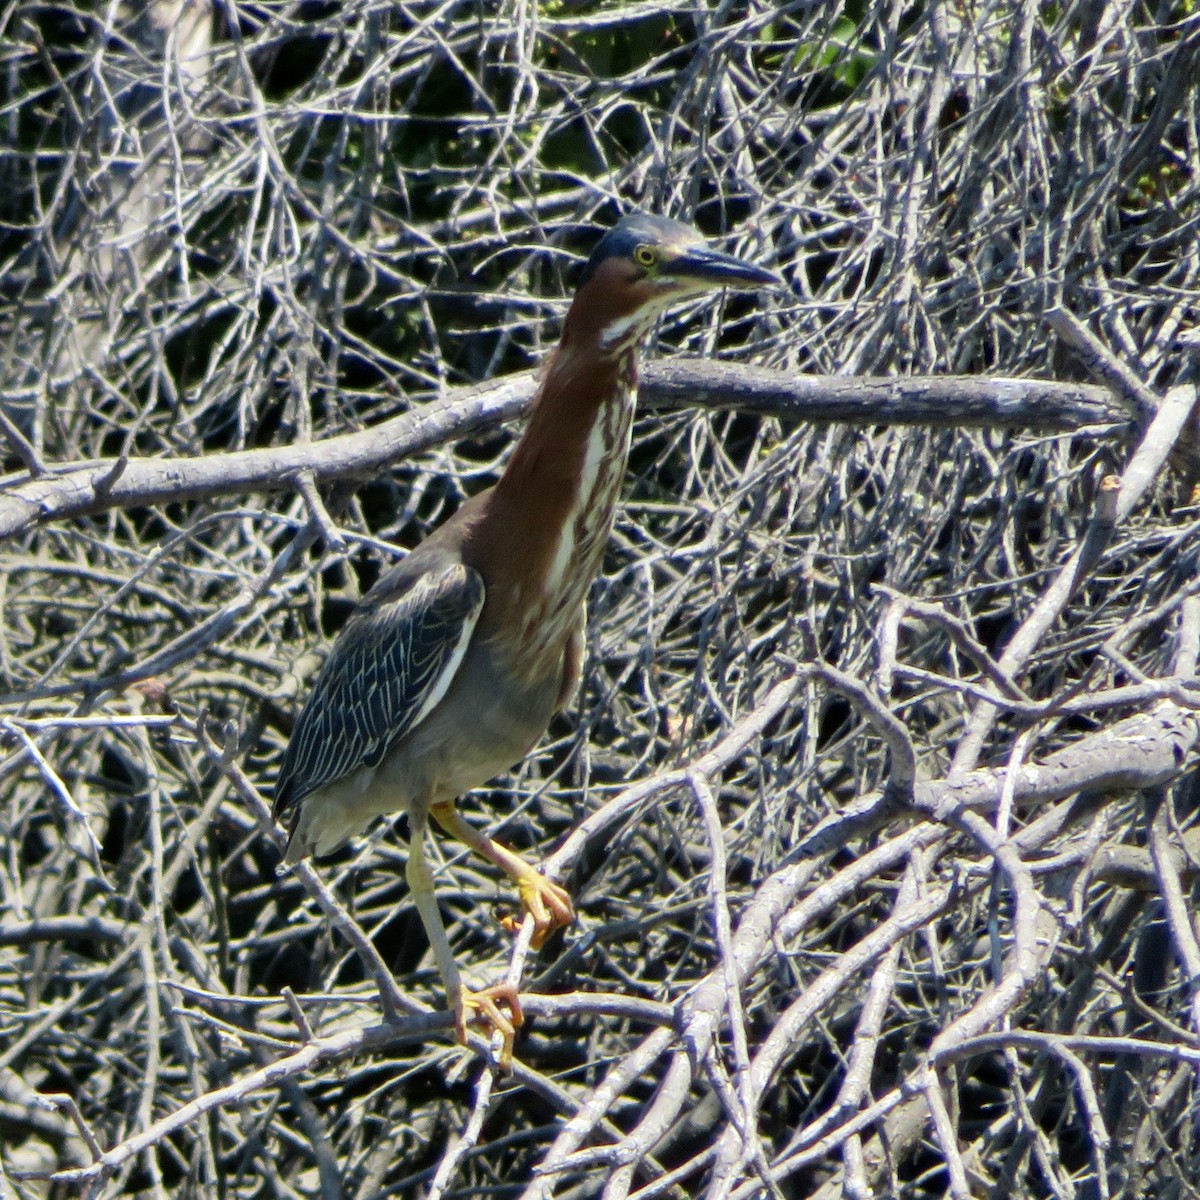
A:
x: 647, y: 256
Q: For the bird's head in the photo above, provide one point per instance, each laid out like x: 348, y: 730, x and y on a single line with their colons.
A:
x: 643, y: 265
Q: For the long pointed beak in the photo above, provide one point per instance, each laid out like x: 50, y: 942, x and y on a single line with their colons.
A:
x: 704, y: 265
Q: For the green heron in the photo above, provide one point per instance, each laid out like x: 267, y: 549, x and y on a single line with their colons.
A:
x: 451, y: 667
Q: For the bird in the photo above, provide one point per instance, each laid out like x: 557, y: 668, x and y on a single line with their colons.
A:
x: 452, y: 665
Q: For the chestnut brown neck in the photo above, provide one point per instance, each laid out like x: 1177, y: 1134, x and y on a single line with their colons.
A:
x: 554, y: 505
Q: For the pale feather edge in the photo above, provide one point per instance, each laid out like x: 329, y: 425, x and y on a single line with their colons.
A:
x: 442, y: 684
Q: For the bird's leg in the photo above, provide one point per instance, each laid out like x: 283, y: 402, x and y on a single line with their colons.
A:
x: 466, y: 1005
x: 546, y: 902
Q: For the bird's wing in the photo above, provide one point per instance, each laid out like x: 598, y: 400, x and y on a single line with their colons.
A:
x: 391, y: 664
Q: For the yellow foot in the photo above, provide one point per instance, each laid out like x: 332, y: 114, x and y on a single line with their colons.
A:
x: 484, y: 1007
x: 546, y: 902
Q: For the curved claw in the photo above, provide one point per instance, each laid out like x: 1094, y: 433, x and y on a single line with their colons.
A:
x: 548, y: 904
x: 484, y: 1007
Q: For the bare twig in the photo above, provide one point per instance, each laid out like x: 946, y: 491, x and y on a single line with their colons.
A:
x: 887, y: 922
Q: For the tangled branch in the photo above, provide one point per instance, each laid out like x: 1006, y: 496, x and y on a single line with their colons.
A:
x: 878, y: 800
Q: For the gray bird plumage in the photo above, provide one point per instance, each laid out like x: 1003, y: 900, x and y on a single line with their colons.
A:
x: 394, y: 660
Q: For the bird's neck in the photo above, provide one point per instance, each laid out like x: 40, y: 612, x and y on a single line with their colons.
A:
x: 559, y: 493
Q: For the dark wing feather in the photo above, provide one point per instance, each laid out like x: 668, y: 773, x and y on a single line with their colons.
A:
x: 390, y: 665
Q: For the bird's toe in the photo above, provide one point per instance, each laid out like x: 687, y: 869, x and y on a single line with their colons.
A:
x: 484, y: 1008
x: 548, y: 904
